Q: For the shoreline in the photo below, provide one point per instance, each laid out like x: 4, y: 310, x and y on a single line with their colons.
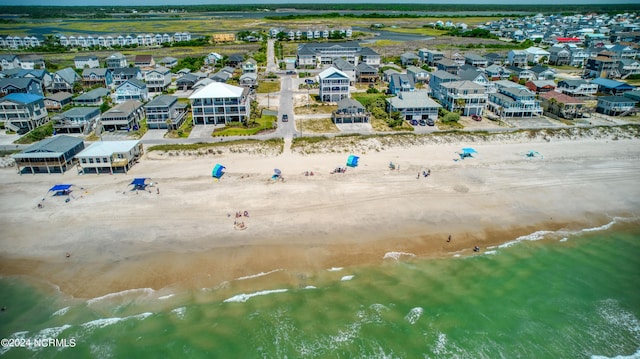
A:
x: 185, y: 236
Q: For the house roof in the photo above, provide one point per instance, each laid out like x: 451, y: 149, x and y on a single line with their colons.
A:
x: 78, y: 112
x: 55, y: 145
x: 516, y: 92
x: 470, y: 74
x: 125, y: 108
x: 618, y: 99
x: 560, y: 97
x: 447, y: 62
x: 218, y: 90
x: 145, y: 59
x: 187, y: 78
x: 168, y: 60
x: 93, y: 94
x: 68, y: 74
x: 410, y: 56
x: 23, y: 98
x: 85, y: 58
x: 398, y: 79
x: 20, y: 82
x: 538, y: 69
x: 463, y: 84
x: 137, y: 83
x: 162, y: 101
x: 543, y: 83
x: 131, y: 71
x: 332, y: 71
x: 418, y: 99
x: 252, y: 76
x: 475, y: 57
x: 363, y: 67
x: 348, y: 103
x: 100, y: 72
x: 342, y: 64
x: 415, y: 69
x: 116, y: 55
x: 60, y: 96
x: 441, y: 74
x: 107, y: 148
x: 611, y: 84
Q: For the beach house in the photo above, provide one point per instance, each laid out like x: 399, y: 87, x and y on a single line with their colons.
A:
x: 97, y: 76
x: 615, y: 105
x: 414, y: 106
x: 401, y: 83
x: 22, y: 112
x: 366, y: 74
x: 333, y: 85
x: 124, y: 116
x: 76, y: 120
x: 58, y: 100
x: 20, y: 85
x: 122, y: 74
x: 51, y: 155
x: 110, y: 156
x: 158, y: 79
x: 577, y: 88
x: 514, y: 102
x: 64, y: 80
x: 562, y: 105
x: 350, y: 111
x: 165, y: 111
x: 92, y: 98
x: 465, y: 96
x: 220, y: 103
x: 116, y: 60
x: 419, y: 75
x: 430, y: 57
x: 86, y: 62
x: 131, y: 90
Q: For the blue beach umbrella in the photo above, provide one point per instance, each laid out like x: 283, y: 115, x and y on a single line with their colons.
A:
x: 352, y: 161
x: 469, y: 150
x: 218, y: 171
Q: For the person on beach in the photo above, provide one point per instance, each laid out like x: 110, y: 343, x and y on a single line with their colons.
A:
x: 449, y: 239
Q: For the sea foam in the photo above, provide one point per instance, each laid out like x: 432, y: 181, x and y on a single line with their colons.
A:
x: 241, y: 298
x: 122, y: 294
x: 259, y: 274
x: 414, y: 314
x: 347, y: 277
x: 61, y: 312
x: 397, y: 255
x: 334, y: 269
x: 104, y: 322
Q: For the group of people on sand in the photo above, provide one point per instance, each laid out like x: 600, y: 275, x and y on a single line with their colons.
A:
x: 425, y: 174
x: 475, y: 248
x: 240, y: 224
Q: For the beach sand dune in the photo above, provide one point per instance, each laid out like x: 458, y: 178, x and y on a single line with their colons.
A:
x: 185, y: 234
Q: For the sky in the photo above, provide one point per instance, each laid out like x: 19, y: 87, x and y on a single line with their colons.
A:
x: 178, y: 3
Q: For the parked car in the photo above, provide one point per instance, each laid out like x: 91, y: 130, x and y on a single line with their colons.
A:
x: 430, y: 122
x: 476, y: 117
x: 422, y: 122
x: 414, y: 122
x: 285, y: 118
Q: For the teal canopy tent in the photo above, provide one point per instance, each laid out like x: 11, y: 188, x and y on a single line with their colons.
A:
x: 218, y: 171
x: 352, y: 161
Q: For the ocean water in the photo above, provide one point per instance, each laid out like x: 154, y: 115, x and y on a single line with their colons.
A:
x: 547, y: 295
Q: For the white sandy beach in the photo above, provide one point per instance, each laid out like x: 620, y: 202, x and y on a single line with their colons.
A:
x: 185, y: 235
